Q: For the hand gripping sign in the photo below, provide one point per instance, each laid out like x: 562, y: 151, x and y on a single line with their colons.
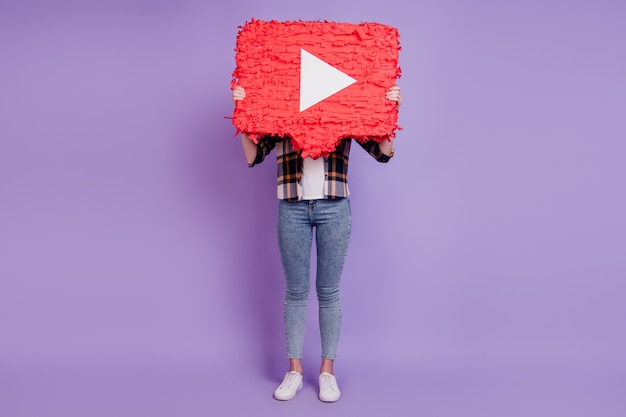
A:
x: 316, y: 82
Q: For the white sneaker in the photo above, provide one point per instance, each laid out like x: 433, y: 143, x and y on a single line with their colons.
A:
x: 291, y: 384
x: 329, y: 391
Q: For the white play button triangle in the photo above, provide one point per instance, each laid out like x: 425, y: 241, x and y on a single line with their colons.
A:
x: 319, y: 80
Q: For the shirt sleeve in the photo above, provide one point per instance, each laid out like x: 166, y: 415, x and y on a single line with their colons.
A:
x: 372, y: 147
x: 264, y: 147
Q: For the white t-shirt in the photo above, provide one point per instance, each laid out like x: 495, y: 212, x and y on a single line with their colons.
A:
x: 312, y: 180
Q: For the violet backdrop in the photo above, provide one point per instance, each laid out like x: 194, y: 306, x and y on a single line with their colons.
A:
x: 139, y: 272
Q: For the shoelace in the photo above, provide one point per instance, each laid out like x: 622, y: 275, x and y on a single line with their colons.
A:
x: 328, y: 383
x: 289, y: 381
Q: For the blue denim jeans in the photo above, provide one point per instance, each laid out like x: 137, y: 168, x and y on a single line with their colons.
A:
x: 332, y: 222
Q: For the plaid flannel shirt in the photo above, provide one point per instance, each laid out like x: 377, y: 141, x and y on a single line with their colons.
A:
x: 290, y: 166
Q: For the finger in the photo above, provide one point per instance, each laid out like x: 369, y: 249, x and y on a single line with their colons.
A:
x: 238, y: 95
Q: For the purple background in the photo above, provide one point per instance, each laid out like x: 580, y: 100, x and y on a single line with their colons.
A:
x: 139, y: 273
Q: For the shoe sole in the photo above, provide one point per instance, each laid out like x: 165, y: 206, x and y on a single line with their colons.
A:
x: 329, y: 400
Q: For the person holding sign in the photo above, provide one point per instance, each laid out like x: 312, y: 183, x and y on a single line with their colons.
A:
x: 313, y: 199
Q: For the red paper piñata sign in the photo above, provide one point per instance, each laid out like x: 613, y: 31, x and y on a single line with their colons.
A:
x: 317, y: 82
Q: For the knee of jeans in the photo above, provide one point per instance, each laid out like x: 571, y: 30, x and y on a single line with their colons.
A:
x: 328, y: 298
x: 296, y: 297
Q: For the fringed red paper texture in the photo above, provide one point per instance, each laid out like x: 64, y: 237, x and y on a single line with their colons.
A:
x: 268, y: 68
